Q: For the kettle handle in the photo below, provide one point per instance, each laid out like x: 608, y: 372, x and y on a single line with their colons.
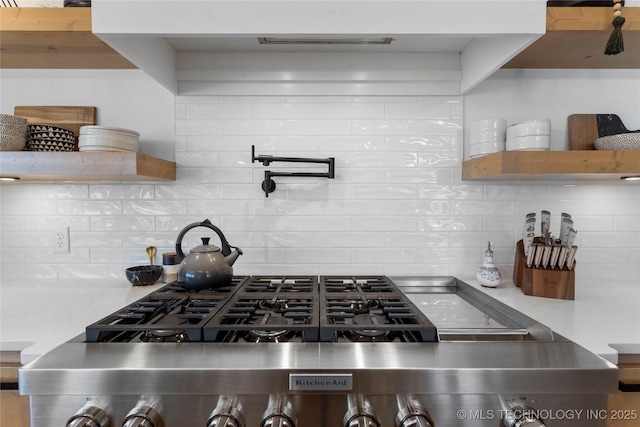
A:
x: 226, y: 249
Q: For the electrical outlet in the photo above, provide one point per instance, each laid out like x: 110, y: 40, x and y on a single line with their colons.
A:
x: 61, y: 241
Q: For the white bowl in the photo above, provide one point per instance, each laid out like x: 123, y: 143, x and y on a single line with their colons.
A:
x: 488, y: 125
x: 532, y: 142
x: 485, y: 148
x: 531, y: 127
x: 487, y: 136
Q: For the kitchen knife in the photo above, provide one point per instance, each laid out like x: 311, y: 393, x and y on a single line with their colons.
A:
x: 565, y: 226
x: 562, y: 258
x: 546, y: 255
x: 532, y: 251
x: 572, y: 256
x: 545, y: 224
x: 555, y: 253
x: 538, y: 257
x: 571, y: 237
x: 528, y: 234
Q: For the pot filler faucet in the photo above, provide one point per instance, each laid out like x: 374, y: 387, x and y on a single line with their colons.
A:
x: 269, y: 185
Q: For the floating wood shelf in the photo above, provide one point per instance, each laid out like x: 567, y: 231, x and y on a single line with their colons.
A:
x: 51, y: 37
x: 553, y: 165
x: 85, y: 166
x: 576, y: 38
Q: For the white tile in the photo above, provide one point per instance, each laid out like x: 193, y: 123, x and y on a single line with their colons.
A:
x: 187, y: 192
x: 218, y: 111
x: 311, y: 223
x: 385, y: 191
x: 122, y: 223
x: 106, y: 192
x: 153, y: 207
x: 387, y: 224
x: 352, y: 111
x: 435, y: 191
x: 80, y: 207
x: 417, y: 111
x: 384, y: 127
x: 352, y: 240
x: 418, y: 143
x: 352, y: 143
x: 285, y: 111
x: 318, y: 127
x: 445, y: 223
x: 286, y: 240
x: 417, y: 240
x: 230, y: 127
x: 28, y: 207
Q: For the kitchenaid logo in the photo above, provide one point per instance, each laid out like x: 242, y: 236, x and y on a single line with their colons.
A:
x: 320, y: 382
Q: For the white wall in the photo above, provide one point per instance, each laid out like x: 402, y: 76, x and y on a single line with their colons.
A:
x: 397, y: 205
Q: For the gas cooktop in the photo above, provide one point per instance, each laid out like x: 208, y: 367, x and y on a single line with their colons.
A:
x: 271, y: 309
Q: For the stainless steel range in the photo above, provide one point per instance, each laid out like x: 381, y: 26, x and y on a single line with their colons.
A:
x: 328, y: 351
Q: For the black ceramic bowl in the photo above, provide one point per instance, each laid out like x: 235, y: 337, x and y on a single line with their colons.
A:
x: 143, y: 274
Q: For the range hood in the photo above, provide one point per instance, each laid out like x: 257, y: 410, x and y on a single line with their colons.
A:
x: 319, y: 47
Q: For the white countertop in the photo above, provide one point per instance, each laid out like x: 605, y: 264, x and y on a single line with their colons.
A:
x: 600, y: 315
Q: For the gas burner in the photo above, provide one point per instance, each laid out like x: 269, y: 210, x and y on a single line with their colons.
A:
x: 369, y: 335
x: 362, y: 305
x: 279, y: 284
x: 164, y: 335
x: 269, y: 335
x: 358, y: 284
x: 276, y: 305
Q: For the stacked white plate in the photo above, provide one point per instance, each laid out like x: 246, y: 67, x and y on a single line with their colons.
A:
x: 532, y: 135
x: 101, y: 138
x: 486, y: 137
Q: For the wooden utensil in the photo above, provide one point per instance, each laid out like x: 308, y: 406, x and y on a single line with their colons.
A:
x: 67, y: 117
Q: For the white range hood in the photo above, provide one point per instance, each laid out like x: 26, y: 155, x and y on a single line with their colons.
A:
x: 323, y: 47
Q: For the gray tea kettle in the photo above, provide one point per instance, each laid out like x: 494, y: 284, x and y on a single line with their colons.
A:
x: 207, y: 266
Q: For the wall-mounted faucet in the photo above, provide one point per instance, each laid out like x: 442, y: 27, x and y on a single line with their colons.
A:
x: 269, y: 185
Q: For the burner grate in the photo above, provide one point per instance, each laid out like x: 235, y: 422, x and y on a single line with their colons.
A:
x: 373, y: 317
x: 277, y: 284
x: 366, y: 284
x: 170, y: 308
x: 263, y: 315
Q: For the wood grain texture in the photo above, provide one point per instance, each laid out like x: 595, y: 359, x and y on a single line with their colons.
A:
x: 576, y: 38
x: 85, y: 166
x: 583, y: 131
x: 553, y: 165
x: 55, y: 38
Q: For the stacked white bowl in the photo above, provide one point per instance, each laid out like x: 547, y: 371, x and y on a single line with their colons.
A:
x: 486, y: 137
x: 101, y: 138
x: 530, y: 135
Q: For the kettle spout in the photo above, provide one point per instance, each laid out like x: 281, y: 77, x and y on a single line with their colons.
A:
x: 233, y: 256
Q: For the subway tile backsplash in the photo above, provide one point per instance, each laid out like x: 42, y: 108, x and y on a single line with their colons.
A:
x: 397, y: 204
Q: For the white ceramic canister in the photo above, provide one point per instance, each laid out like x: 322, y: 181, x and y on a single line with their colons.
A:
x: 170, y: 267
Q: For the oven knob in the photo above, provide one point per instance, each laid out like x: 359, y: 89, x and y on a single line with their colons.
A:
x: 279, y: 413
x: 227, y: 413
x: 359, y: 413
x: 521, y: 416
x: 412, y: 414
x: 89, y: 416
x: 143, y: 415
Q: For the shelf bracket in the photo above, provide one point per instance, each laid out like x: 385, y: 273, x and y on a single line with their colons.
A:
x: 269, y: 185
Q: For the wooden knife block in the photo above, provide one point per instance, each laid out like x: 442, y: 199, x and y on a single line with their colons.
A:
x: 541, y: 282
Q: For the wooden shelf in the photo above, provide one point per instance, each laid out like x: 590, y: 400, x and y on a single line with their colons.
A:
x: 576, y: 38
x: 52, y: 37
x: 85, y: 166
x: 553, y: 165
